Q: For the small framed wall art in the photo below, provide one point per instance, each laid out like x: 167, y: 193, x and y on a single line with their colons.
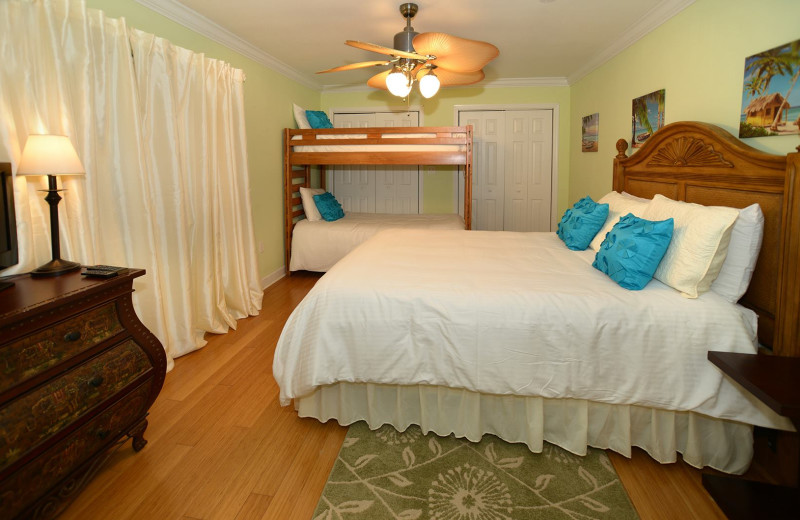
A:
x: 647, y: 116
x: 590, y: 127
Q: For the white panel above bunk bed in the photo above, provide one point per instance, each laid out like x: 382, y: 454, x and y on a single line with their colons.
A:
x: 370, y: 189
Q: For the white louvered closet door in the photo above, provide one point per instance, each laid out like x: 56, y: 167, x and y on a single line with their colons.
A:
x: 383, y: 189
x: 354, y: 186
x: 512, y: 169
x: 488, y: 182
x: 528, y: 160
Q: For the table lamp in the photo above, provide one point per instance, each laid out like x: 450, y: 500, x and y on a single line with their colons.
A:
x: 51, y: 155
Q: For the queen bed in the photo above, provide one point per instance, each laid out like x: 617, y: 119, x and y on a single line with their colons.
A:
x: 513, y: 334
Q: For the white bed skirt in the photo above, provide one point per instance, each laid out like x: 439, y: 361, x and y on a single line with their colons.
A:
x: 572, y: 424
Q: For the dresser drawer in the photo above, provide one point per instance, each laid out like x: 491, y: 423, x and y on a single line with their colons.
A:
x: 25, y: 485
x: 46, y: 410
x: 32, y: 355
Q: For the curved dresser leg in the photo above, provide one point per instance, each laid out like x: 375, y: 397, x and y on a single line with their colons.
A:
x: 137, y: 434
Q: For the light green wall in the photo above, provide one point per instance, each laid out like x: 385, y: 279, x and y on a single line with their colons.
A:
x: 438, y: 193
x: 698, y: 57
x: 268, y: 98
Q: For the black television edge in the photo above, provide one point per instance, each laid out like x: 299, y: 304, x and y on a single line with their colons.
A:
x: 9, y: 252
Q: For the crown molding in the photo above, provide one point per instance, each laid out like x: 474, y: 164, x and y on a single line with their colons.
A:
x: 190, y: 19
x: 647, y: 23
x: 526, y: 82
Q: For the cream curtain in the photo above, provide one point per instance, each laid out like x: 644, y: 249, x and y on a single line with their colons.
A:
x: 160, y: 131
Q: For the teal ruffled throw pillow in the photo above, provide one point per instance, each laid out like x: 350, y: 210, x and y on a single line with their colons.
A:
x: 633, y: 249
x: 318, y: 119
x: 581, y: 223
x: 329, y: 208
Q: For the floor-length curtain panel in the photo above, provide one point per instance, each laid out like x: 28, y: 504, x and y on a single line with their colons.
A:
x: 194, y: 136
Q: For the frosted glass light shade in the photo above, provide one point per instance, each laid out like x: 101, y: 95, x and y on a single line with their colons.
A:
x: 49, y: 155
x: 429, y: 85
x: 398, y: 84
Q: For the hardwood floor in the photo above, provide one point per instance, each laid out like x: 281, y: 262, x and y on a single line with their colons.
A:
x: 220, y: 446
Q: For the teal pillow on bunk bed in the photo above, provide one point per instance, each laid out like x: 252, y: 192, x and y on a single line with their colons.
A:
x: 318, y: 119
x: 329, y: 208
x: 581, y: 223
x: 632, y: 250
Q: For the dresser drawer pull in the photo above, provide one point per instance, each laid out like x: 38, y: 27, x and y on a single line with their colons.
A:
x: 96, y: 381
x: 102, y: 434
x: 72, y: 336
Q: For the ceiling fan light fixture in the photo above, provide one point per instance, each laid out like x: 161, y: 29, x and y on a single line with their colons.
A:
x: 397, y: 82
x: 429, y: 85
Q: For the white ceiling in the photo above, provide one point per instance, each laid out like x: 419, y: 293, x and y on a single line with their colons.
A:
x: 541, y: 42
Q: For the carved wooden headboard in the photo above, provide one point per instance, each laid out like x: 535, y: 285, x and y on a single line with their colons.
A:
x: 702, y: 163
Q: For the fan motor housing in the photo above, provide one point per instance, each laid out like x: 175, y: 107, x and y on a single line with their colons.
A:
x: 403, y: 40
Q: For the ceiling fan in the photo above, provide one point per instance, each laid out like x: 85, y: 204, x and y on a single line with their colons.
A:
x: 432, y: 59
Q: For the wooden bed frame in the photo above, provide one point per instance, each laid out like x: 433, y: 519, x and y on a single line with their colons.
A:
x: 294, y: 178
x: 702, y: 163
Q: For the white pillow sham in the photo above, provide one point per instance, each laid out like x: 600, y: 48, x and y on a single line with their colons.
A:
x: 309, y: 206
x: 740, y: 262
x: 300, y: 117
x: 699, y: 243
x: 619, y: 205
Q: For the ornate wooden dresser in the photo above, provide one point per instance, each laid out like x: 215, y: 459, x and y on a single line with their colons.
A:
x: 78, y: 372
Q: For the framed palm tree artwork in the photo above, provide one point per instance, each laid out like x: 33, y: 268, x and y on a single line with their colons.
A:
x: 590, y: 126
x: 648, y: 116
x: 771, y: 94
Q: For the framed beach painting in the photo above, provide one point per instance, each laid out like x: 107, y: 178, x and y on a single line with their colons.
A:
x: 590, y: 126
x: 648, y: 116
x: 771, y: 94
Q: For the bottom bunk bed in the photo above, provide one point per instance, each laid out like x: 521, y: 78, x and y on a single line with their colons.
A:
x: 318, y: 245
x: 513, y: 334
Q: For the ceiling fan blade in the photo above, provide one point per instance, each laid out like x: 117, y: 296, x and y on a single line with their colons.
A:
x: 448, y: 78
x: 379, y: 80
x: 359, y: 65
x: 455, y: 54
x: 384, y: 50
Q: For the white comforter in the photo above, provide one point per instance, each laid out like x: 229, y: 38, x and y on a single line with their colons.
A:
x: 318, y: 245
x: 512, y: 313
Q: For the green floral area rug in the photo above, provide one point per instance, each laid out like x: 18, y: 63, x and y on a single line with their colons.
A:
x: 385, y: 474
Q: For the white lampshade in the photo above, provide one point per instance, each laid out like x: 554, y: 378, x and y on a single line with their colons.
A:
x: 49, y: 155
x: 429, y: 85
x: 398, y: 83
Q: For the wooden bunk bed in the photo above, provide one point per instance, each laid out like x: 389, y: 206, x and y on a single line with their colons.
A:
x: 416, y: 146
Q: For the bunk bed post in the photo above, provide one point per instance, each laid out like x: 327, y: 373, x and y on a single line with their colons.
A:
x: 322, y: 177
x: 468, y: 181
x: 287, y: 201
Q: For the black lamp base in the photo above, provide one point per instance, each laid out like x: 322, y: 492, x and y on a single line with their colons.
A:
x: 56, y: 267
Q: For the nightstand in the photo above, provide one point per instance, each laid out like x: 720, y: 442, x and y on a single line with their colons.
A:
x: 773, y: 380
x: 78, y: 372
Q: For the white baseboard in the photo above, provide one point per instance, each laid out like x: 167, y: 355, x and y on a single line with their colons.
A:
x: 273, y: 277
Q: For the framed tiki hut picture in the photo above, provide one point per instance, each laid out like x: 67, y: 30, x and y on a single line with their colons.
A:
x: 771, y: 95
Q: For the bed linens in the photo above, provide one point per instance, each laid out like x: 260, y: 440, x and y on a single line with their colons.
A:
x: 317, y: 246
x: 512, y: 314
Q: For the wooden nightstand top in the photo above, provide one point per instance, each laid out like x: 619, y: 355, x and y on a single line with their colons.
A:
x: 775, y: 380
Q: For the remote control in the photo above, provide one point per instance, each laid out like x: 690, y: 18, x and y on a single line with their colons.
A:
x: 109, y: 268
x: 99, y: 273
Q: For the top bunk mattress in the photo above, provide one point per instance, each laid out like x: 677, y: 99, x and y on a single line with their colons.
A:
x: 358, y: 147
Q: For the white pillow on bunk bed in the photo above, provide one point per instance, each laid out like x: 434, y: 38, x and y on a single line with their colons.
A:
x: 309, y: 206
x: 300, y: 117
x: 619, y: 205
